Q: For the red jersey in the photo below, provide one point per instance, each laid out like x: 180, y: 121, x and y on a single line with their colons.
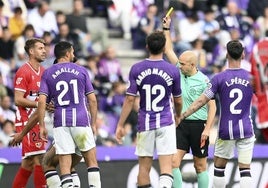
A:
x: 259, y: 62
x: 27, y: 80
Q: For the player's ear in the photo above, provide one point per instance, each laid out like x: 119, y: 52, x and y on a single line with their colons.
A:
x: 31, y: 51
x: 243, y: 55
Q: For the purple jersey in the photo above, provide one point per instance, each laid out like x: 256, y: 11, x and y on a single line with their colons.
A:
x: 235, y: 94
x: 155, y: 81
x: 67, y: 84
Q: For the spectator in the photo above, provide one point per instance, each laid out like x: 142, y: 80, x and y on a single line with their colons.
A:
x: 91, y: 63
x: 262, y: 21
x: 30, y: 4
x: 48, y: 38
x: 187, y: 29
x: 210, y: 29
x: 109, y: 70
x: 141, y: 6
x: 256, y: 8
x: 233, y: 19
x: 78, y: 24
x: 6, y: 110
x: 103, y: 135
x: 121, y: 14
x: 3, y: 18
x: 7, y: 56
x: 147, y: 24
x: 116, y: 98
x: 16, y: 24
x: 10, y: 6
x: 4, y: 89
x: 19, y: 52
x: 60, y: 17
x: 66, y: 35
x: 43, y: 19
x: 8, y: 129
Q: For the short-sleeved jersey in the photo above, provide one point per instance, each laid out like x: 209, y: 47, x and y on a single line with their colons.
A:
x: 67, y: 85
x: 235, y: 93
x: 27, y: 80
x: 192, y: 87
x: 156, y: 81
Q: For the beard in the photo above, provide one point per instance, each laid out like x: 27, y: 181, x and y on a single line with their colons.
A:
x: 74, y: 59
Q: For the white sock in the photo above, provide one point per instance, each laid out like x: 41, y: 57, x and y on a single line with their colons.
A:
x: 66, y: 181
x: 245, y: 182
x: 76, y: 180
x: 165, y: 181
x: 52, y: 179
x: 94, y: 177
x: 218, y: 182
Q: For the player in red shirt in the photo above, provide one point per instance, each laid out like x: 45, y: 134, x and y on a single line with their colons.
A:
x: 26, y: 86
x: 259, y: 70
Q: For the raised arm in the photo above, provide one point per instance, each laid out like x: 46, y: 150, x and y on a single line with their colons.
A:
x: 169, y: 52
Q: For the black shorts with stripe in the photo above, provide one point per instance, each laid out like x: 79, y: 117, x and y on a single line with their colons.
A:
x: 189, y: 135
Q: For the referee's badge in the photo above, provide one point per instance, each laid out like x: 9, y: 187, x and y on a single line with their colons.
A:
x: 192, y: 91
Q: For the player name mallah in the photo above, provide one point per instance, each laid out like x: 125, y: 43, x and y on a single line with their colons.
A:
x: 237, y: 80
x: 154, y: 71
x: 64, y: 69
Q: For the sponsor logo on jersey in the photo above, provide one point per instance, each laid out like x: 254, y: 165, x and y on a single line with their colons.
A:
x: 18, y: 80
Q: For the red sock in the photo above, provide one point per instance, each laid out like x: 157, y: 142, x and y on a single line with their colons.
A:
x: 21, y: 178
x: 39, y: 177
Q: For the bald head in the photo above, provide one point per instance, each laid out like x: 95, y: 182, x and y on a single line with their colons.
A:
x: 188, y: 63
x: 189, y: 57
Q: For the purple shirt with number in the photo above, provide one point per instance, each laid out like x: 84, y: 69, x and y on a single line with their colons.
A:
x: 156, y: 81
x: 67, y: 84
x: 235, y: 93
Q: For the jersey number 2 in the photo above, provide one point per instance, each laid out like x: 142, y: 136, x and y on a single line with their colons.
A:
x: 239, y: 95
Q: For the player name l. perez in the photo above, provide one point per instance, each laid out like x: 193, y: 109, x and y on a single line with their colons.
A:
x: 237, y: 80
x: 63, y: 70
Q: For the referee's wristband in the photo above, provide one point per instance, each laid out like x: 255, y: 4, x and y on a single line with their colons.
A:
x: 166, y: 28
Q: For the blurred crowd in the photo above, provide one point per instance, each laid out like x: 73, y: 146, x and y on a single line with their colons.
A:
x: 204, y: 26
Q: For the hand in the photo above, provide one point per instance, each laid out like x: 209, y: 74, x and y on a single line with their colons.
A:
x: 43, y: 133
x: 119, y: 134
x: 204, y: 137
x: 178, y: 121
x: 50, y: 107
x: 166, y: 22
x: 94, y: 130
x: 17, y: 139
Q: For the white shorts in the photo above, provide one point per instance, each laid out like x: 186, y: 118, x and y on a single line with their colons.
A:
x: 67, y: 139
x: 162, y: 139
x: 225, y: 149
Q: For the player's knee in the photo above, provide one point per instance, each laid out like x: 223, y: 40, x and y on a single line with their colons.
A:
x: 200, y: 166
x: 175, y: 163
x: 48, y: 164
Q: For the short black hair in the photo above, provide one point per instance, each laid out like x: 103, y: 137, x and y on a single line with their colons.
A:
x: 235, y: 49
x: 17, y: 10
x: 156, y: 42
x: 62, y: 48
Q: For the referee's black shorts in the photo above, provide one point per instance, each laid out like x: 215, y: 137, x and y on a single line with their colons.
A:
x: 189, y: 135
